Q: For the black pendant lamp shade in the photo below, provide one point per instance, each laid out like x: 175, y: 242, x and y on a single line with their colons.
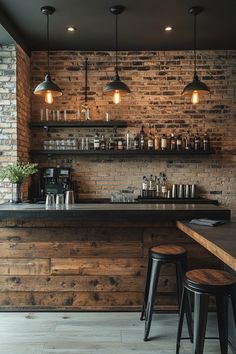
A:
x: 196, y: 87
x: 48, y: 89
x: 116, y: 87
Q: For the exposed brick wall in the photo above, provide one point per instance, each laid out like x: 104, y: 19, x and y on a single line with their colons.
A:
x: 8, y: 114
x: 14, y: 110
x: 156, y: 80
x: 23, y: 108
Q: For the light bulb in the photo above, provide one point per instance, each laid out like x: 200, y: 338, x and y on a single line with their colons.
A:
x: 117, y: 97
x: 195, y: 97
x: 49, y: 97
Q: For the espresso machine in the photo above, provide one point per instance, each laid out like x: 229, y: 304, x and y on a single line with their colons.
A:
x: 53, y: 180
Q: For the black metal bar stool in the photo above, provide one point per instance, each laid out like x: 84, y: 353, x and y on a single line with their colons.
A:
x: 204, y: 283
x: 159, y: 255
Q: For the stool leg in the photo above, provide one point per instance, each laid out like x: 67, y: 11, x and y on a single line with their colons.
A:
x: 222, y: 317
x: 200, y: 321
x: 181, y: 319
x: 151, y: 296
x: 142, y: 317
x: 233, y: 300
x: 180, y: 272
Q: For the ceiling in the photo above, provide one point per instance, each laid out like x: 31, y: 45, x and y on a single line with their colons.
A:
x: 141, y: 26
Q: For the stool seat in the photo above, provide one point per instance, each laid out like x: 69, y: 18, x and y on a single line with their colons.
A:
x: 210, y: 277
x: 171, y: 250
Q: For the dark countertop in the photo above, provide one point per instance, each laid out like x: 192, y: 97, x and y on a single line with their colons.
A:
x: 131, y: 211
x: 219, y: 240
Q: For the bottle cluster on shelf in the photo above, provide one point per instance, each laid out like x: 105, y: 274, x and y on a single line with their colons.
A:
x: 158, y: 187
x: 143, y: 140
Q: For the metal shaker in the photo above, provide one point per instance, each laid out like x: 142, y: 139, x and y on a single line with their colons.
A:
x: 180, y: 191
x: 50, y: 201
x: 59, y: 200
x: 174, y: 191
x: 193, y: 191
x: 70, y: 198
x: 187, y: 191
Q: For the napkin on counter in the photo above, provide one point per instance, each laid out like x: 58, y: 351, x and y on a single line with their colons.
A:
x: 206, y: 222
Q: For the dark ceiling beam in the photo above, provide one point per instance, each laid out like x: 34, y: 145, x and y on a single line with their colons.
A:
x: 13, y: 31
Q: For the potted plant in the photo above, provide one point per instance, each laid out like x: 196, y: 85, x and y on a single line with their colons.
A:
x: 16, y: 174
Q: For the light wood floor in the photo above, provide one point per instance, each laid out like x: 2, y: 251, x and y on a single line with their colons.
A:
x: 90, y: 333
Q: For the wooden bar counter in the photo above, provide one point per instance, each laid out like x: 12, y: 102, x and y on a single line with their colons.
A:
x: 91, y: 256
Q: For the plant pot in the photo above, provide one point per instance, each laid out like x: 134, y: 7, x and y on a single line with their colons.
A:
x: 16, y: 193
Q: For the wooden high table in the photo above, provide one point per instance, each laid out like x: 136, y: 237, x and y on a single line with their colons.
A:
x: 221, y: 242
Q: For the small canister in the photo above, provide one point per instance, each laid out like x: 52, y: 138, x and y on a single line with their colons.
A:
x: 193, y: 191
x: 180, y: 191
x: 174, y: 191
x: 187, y: 191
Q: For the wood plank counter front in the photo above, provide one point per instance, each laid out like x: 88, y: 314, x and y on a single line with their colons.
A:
x: 91, y: 256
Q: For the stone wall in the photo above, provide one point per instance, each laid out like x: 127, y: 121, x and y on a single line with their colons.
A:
x: 156, y: 80
x: 8, y: 113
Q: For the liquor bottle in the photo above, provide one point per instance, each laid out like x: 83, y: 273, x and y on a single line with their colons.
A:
x: 144, y: 187
x: 96, y: 142
x: 129, y: 141
x: 111, y: 143
x: 120, y: 144
x: 103, y: 143
x: 156, y: 141
x: 172, y: 142
x: 179, y: 143
x: 206, y: 142
x: 136, y: 142
x: 150, y: 141
x: 142, y: 138
x: 187, y: 142
x: 151, y: 187
x: 197, y: 142
x: 163, y: 142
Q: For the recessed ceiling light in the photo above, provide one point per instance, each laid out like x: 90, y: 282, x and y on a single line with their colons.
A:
x: 168, y: 28
x: 71, y: 29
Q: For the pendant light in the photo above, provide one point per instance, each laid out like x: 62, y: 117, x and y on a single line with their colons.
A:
x: 196, y: 87
x: 48, y: 88
x: 116, y: 87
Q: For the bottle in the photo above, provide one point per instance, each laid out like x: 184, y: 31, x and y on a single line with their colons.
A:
x: 142, y: 138
x: 197, y: 142
x: 179, y: 143
x: 136, y: 142
x: 96, y: 142
x: 206, y: 142
x: 172, y: 142
x: 129, y: 139
x: 151, y: 187
x: 187, y: 142
x: 163, y: 142
x: 144, y: 187
x: 103, y: 143
x: 156, y: 141
x: 120, y: 144
x: 111, y: 143
x: 150, y: 141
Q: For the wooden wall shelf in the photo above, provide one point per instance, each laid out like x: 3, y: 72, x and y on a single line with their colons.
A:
x: 123, y: 153
x: 79, y: 124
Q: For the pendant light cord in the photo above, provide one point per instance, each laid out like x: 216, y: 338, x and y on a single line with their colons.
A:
x: 48, y: 39
x: 116, y: 68
x: 86, y: 81
x: 195, y: 43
